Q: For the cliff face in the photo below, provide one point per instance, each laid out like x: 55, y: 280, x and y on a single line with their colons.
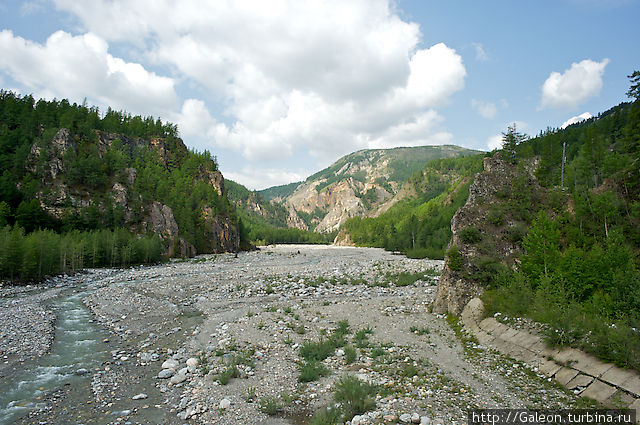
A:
x: 359, y: 184
x: 487, y: 231
x: 61, y: 198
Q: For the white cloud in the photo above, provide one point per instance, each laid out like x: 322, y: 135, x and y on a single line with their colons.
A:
x: 481, y: 55
x: 261, y: 178
x: 494, y: 142
x: 486, y: 110
x: 323, y: 77
x: 573, y: 87
x: 576, y: 119
x: 76, y: 67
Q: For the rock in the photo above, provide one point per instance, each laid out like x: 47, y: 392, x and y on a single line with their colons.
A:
x: 171, y: 364
x: 82, y: 371
x: 415, y: 418
x: 425, y: 420
x: 225, y: 403
x: 192, y: 362
x: 140, y: 396
x: 166, y: 373
x: 405, y: 418
x: 178, y: 378
x: 340, y: 352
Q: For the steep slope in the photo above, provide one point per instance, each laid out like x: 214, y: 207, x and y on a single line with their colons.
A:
x: 557, y: 244
x: 65, y: 167
x: 359, y: 184
x: 417, y: 220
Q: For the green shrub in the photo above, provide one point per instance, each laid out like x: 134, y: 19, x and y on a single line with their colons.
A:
x: 229, y: 373
x: 356, y: 396
x: 350, y: 354
x: 327, y: 416
x: 495, y: 216
x: 270, y: 405
x: 454, y: 258
x: 361, y: 338
x: 470, y: 235
x: 311, y: 370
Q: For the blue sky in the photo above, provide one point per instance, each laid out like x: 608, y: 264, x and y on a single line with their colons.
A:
x: 280, y: 89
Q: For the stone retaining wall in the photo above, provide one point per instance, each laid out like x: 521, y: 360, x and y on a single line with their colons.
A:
x: 574, y: 369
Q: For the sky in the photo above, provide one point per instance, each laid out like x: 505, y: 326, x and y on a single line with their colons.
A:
x: 280, y: 89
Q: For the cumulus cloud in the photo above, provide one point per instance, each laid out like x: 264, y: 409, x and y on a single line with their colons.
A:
x: 324, y: 77
x: 486, y: 110
x: 76, y: 67
x: 262, y: 178
x: 494, y: 142
x: 573, y: 87
x: 576, y: 119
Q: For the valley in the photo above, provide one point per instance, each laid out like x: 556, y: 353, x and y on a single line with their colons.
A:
x: 228, y: 334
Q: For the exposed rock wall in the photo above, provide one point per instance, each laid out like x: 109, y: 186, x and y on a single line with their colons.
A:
x: 490, y: 189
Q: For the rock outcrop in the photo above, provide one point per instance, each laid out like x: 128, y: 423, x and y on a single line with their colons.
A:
x: 58, y: 198
x: 487, y: 213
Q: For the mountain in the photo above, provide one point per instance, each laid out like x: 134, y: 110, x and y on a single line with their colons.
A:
x: 67, y: 168
x: 417, y: 219
x: 358, y: 184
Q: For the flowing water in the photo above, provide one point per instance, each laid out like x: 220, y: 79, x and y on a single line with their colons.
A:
x: 77, y: 345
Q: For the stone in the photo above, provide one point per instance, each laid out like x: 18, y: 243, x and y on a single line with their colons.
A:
x: 415, y: 418
x: 405, y: 418
x: 82, y: 371
x: 425, y: 420
x: 178, y: 378
x: 166, y: 373
x: 192, y: 362
x: 171, y: 364
x: 140, y: 396
x: 225, y: 403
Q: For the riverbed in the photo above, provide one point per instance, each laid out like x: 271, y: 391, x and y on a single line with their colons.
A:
x: 151, y: 345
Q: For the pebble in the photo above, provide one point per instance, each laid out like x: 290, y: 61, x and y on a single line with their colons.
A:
x: 140, y: 396
x: 225, y: 403
x: 178, y: 378
x: 166, y: 373
x: 82, y: 371
x: 171, y: 364
x: 192, y: 362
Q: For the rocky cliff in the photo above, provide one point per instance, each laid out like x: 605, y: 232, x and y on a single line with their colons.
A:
x: 359, y: 184
x: 487, y: 231
x: 119, y: 192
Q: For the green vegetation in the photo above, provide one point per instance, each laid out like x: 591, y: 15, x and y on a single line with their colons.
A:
x: 421, y: 226
x: 89, y: 157
x: 579, y: 274
x: 45, y: 253
x: 354, y: 397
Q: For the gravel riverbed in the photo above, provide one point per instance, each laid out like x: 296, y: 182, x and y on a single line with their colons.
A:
x: 217, y: 340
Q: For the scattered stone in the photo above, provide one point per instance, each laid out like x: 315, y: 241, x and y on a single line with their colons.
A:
x: 192, y: 362
x: 166, y: 373
x: 225, y: 403
x: 82, y: 371
x: 140, y: 396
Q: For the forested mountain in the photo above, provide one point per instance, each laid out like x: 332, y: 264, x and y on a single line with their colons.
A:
x: 356, y: 185
x: 558, y: 240
x: 66, y: 168
x: 419, y: 220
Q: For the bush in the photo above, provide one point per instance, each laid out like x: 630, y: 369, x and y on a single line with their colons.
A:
x: 471, y: 235
x: 454, y: 258
x: 270, y: 405
x: 327, y: 416
x: 350, y: 354
x: 356, y: 396
x: 311, y: 370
